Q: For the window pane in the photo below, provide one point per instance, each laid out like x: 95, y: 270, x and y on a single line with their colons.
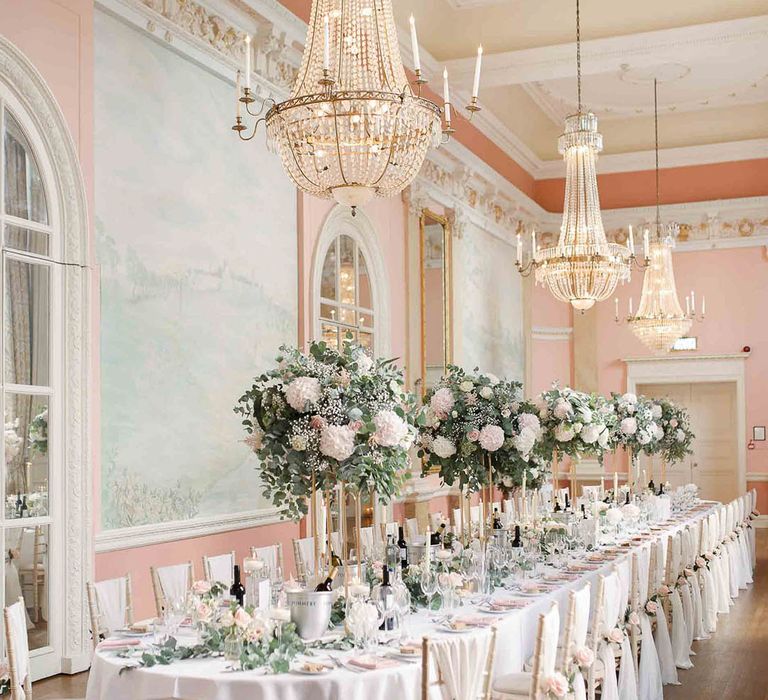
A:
x: 330, y: 335
x: 24, y: 193
x: 366, y: 340
x: 364, y: 282
x: 27, y: 322
x: 26, y: 575
x: 346, y: 270
x: 347, y: 316
x: 329, y: 311
x: 26, y: 456
x: 328, y: 279
x: 26, y: 239
x: 365, y: 321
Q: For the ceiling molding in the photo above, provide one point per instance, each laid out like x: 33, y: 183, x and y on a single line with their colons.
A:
x: 705, y: 154
x: 643, y: 49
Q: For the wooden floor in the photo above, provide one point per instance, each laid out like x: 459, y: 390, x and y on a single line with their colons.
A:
x: 733, y: 665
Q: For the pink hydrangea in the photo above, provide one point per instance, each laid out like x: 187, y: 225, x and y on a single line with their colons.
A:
x: 491, y: 438
x: 442, y: 402
x: 391, y: 429
x: 302, y: 393
x: 337, y: 442
x: 628, y: 426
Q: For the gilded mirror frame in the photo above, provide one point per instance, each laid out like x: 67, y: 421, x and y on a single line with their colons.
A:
x: 428, y: 216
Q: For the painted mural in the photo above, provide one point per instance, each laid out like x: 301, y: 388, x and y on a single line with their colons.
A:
x: 491, y: 305
x: 196, y: 242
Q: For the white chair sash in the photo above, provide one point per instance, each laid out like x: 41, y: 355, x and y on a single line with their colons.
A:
x: 111, y: 597
x: 680, y: 644
x: 174, y: 581
x: 582, y: 599
x: 269, y: 555
x: 649, y: 686
x: 664, y: 650
x: 610, y: 617
x: 221, y: 568
x: 461, y: 663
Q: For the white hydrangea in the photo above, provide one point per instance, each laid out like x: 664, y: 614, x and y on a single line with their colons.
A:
x: 391, y: 429
x: 562, y: 409
x: 564, y: 433
x: 529, y: 420
x: 443, y: 447
x: 590, y: 433
x: 337, y: 442
x: 302, y: 393
x: 629, y: 398
x: 525, y: 441
x: 628, y: 426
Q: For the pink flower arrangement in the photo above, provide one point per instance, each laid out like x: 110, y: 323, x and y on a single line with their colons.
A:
x: 556, y: 685
x: 201, y: 587
x: 584, y: 657
x: 242, y: 618
x: 651, y: 607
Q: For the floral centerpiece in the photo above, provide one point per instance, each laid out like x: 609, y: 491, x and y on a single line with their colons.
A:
x: 470, y: 418
x: 677, y: 440
x: 638, y: 429
x: 330, y: 416
x: 38, y: 432
x: 575, y: 423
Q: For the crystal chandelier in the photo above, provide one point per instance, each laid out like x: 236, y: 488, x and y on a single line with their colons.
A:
x: 660, y: 319
x: 583, y: 267
x: 353, y: 127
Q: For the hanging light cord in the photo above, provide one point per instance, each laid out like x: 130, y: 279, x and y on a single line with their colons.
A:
x: 656, y: 135
x: 578, y: 53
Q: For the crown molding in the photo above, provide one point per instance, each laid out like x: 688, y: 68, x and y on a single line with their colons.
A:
x: 551, y: 332
x: 681, y: 157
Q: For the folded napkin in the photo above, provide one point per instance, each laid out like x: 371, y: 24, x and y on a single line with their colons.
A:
x: 119, y: 643
x: 373, y: 663
x: 507, y: 603
x: 475, y: 620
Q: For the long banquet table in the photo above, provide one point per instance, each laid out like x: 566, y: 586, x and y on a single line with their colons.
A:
x: 210, y: 679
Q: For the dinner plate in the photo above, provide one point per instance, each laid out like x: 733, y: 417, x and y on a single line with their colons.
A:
x: 306, y: 672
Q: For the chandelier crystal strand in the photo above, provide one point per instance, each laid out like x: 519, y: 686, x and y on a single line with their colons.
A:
x: 353, y: 128
x: 583, y: 267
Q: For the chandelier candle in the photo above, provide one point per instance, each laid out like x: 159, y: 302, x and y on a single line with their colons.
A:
x: 415, y: 45
x: 247, y: 62
x: 446, y: 98
x: 476, y: 81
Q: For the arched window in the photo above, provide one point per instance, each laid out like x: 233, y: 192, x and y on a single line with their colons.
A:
x: 349, y: 284
x: 346, y: 304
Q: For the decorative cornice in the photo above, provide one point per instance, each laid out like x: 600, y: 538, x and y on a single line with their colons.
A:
x: 666, y: 359
x: 157, y: 533
x: 757, y: 477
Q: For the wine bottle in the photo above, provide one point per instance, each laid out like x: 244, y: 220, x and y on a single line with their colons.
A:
x: 327, y: 585
x: 386, y: 595
x: 18, y: 505
x: 392, y: 553
x: 335, y: 561
x: 496, y: 519
x: 661, y: 489
x: 652, y: 486
x: 583, y: 511
x: 567, y: 502
x: 237, y: 589
x: 434, y: 537
x: 402, y: 544
x: 442, y: 534
x: 627, y: 502
x: 24, y: 506
x: 557, y: 505
x: 516, y: 541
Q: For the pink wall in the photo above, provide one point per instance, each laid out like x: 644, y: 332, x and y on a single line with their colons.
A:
x: 551, y: 358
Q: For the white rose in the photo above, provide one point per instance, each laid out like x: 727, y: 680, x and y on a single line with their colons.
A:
x: 680, y: 435
x: 628, y: 426
x: 542, y: 407
x: 466, y: 386
x: 629, y: 398
x: 302, y: 393
x: 656, y: 411
x: 486, y: 392
x: 576, y: 427
x: 658, y: 431
x: 443, y: 447
x: 337, y: 442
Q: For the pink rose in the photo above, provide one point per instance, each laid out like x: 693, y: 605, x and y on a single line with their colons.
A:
x: 584, y: 657
x: 688, y: 572
x: 204, y: 611
x: 701, y: 562
x: 616, y: 635
x: 355, y: 425
x: 556, y: 685
x: 473, y: 435
x: 242, y: 618
x: 201, y: 587
x: 317, y: 422
x: 664, y: 589
x: 633, y: 619
x: 651, y: 607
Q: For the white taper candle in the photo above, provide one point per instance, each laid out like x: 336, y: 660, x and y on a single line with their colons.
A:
x: 478, y: 63
x: 414, y: 44
x: 237, y: 94
x: 446, y: 97
x: 248, y: 61
x: 326, y: 43
x: 519, y: 249
x: 631, y: 240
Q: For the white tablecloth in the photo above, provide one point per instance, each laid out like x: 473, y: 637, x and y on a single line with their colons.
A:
x: 209, y: 679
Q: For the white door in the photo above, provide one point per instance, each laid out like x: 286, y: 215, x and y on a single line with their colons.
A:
x: 713, y: 464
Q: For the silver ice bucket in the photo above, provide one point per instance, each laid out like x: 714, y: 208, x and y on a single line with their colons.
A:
x: 311, y: 612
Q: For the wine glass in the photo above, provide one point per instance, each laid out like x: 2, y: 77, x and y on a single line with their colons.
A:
x: 428, y: 584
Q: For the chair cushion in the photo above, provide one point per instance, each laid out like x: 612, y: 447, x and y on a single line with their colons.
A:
x: 513, y: 684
